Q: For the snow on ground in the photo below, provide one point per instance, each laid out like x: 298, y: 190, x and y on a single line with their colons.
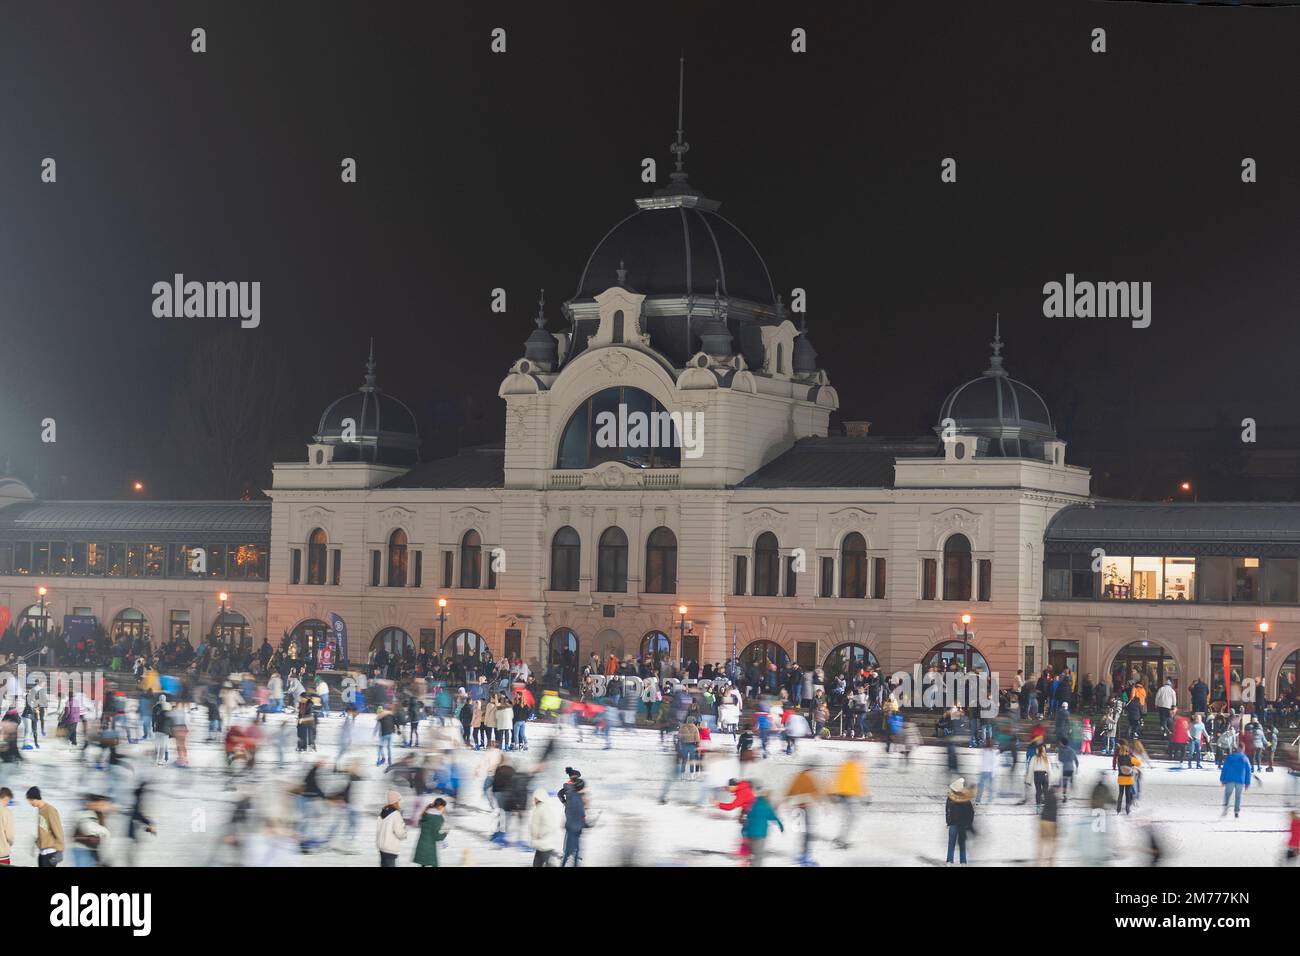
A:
x: 902, y: 825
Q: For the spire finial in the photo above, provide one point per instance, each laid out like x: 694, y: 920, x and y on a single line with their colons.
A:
x: 622, y: 274
x: 540, y: 319
x: 995, y: 360
x: 370, y: 367
x: 680, y: 148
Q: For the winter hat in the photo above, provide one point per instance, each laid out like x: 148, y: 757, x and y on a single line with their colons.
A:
x: 393, y: 797
x: 958, y: 785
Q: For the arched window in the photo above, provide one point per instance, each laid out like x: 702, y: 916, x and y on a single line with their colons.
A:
x: 471, y: 565
x: 36, y: 618
x: 620, y: 424
x: 780, y: 359
x: 1144, y: 662
x: 566, y: 550
x: 661, y: 562
x: 130, y: 624
x: 1286, y: 677
x: 655, y: 646
x: 762, y: 654
x: 849, y: 660
x: 397, y: 559
x: 232, y: 629
x: 317, y: 550
x: 956, y: 568
x: 394, y: 640
x: 309, y: 635
x: 853, y: 566
x: 955, y: 655
x: 767, y: 565
x: 466, y: 643
x: 611, y: 561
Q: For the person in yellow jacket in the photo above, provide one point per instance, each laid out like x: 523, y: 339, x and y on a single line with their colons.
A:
x: 848, y: 789
x: 149, y: 682
x: 802, y: 793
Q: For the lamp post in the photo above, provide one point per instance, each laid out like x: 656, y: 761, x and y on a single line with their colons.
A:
x: 1261, y: 692
x: 965, y: 642
x: 1186, y: 486
x: 442, y: 620
x: 221, y: 621
x: 41, y: 592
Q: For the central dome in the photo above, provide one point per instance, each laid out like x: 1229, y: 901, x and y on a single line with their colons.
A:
x: 678, y: 249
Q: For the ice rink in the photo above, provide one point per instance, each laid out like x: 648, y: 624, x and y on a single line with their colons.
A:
x: 903, y: 823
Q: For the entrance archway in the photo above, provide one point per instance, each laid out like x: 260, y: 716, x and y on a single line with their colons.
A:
x: 562, y: 657
x: 955, y: 655
x: 310, y: 635
x: 394, y: 640
x: 609, y: 642
x: 655, y: 646
x: 1142, y: 662
x: 848, y: 659
x: 466, y: 643
x: 130, y: 624
x: 761, y: 663
x: 1286, y: 677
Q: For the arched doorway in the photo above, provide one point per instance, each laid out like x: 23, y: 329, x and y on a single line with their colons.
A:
x: 655, y: 646
x: 394, y: 640
x: 562, y: 658
x: 307, y: 637
x: 232, y: 629
x: 1286, y: 677
x: 130, y: 624
x: 609, y: 642
x: 1142, y: 662
x: 955, y: 655
x: 761, y: 663
x: 35, y: 620
x: 466, y: 643
x: 849, y: 659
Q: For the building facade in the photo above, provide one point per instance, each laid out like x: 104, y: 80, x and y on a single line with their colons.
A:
x: 669, y: 483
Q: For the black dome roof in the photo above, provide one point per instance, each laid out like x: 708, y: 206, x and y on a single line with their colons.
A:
x: 678, y: 250
x: 384, y: 429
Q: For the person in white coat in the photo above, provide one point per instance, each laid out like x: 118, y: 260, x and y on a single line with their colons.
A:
x: 1166, y: 700
x: 391, y: 830
x: 545, y: 828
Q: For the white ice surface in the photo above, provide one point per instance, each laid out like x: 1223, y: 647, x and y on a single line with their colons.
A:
x: 902, y: 825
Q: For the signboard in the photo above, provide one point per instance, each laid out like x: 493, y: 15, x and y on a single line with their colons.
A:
x: 325, y: 660
x: 340, y: 632
x: 79, y: 627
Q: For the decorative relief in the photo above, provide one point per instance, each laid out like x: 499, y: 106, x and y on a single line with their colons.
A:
x: 465, y: 517
x: 614, y: 362
x: 966, y: 522
x: 852, y: 518
x: 764, y: 517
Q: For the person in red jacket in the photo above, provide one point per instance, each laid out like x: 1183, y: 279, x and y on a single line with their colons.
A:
x: 1293, y: 843
x: 742, y: 798
x: 1180, y: 738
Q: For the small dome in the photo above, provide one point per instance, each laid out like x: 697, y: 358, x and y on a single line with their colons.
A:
x: 382, y: 429
x: 1010, y: 417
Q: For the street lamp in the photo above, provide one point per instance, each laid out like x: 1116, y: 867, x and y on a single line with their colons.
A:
x: 221, y: 621
x: 965, y: 641
x: 41, y: 592
x: 442, y: 620
x: 1187, y: 486
x: 1261, y: 692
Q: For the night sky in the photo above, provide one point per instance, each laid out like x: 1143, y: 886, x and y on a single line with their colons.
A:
x: 479, y: 170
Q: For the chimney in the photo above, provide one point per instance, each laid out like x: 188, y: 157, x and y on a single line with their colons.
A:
x: 856, y: 429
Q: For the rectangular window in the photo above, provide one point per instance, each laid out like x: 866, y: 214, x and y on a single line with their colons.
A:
x: 177, y: 560
x: 179, y: 625
x: 878, y: 579
x: 828, y: 578
x: 117, y: 560
x: 96, y: 560
x: 295, y: 565
x: 791, y: 579
x: 1281, y: 581
x: 929, y: 578
x: 41, y: 558
x: 336, y: 565
x: 447, y: 560
x: 1214, y: 575
x: 23, y: 557
x: 1148, y: 579
x: 805, y: 655
x: 58, y: 557
x: 375, y: 565
x: 155, y: 557
x: 1245, y: 580
x: 492, y: 574
x: 216, y: 560
x: 261, y: 569
x: 1180, y: 579
x: 741, y: 575
x: 1235, y: 656
x: 419, y: 569
x: 1116, y: 578
x: 986, y: 580
x: 135, y: 560
x: 514, y: 643
x: 6, y: 558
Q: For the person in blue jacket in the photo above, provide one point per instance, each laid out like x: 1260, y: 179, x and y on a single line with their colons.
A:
x: 757, y: 822
x: 1235, y: 777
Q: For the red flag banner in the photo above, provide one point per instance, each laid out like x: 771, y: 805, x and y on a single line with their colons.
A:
x: 1227, y: 676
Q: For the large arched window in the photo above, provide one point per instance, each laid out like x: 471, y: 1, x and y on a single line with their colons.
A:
x: 763, y: 654
x: 232, y: 629
x: 661, y: 562
x: 466, y: 643
x: 1286, y: 677
x: 767, y: 565
x: 130, y: 624
x: 310, y: 635
x: 849, y: 660
x: 317, y: 552
x: 955, y: 655
x: 394, y: 640
x: 655, y: 646
x: 397, y: 559
x: 562, y: 658
x: 853, y: 566
x: 37, y: 618
x: 471, y: 565
x: 620, y: 424
x: 956, y: 568
x: 566, y: 549
x: 611, y: 561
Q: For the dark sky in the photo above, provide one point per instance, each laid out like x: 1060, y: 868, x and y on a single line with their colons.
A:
x: 479, y: 170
